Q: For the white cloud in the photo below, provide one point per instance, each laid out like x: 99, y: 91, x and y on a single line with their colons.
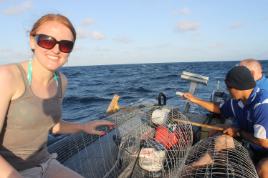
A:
x: 18, y: 9
x: 5, y: 51
x: 87, y: 21
x: 101, y: 49
x: 182, y: 11
x: 97, y: 35
x: 83, y: 34
x: 122, y: 39
x: 217, y: 46
x: 13, y: 56
x: 187, y: 26
x: 236, y: 25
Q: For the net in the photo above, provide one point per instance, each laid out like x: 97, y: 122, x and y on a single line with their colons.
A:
x: 216, y: 157
x: 146, y: 143
x: 151, y: 142
x: 153, y: 145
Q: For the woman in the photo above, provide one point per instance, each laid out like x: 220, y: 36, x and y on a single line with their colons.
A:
x: 30, y: 105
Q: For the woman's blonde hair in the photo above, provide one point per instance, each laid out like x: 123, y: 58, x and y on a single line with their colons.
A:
x: 53, y: 17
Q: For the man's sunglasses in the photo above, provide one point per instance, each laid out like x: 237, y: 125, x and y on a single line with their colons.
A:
x: 49, y: 42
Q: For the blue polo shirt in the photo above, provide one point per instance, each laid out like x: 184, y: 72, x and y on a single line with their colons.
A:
x: 251, y: 117
x: 262, y: 83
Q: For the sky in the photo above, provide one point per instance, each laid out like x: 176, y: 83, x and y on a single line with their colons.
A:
x: 143, y: 31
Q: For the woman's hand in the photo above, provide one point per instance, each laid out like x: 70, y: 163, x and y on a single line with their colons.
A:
x: 91, y: 127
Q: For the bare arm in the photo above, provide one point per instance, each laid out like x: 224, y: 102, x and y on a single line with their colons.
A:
x: 7, y: 171
x: 247, y: 136
x: 8, y: 90
x: 90, y: 127
x: 204, y: 104
x: 261, y: 142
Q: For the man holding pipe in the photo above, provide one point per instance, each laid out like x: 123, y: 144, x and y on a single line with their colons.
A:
x: 249, y: 108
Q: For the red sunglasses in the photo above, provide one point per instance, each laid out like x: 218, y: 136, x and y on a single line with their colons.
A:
x: 49, y: 42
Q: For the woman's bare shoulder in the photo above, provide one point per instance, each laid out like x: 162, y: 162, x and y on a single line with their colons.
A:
x: 7, y: 72
x: 10, y: 77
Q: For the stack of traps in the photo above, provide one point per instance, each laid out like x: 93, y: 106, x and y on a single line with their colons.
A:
x: 149, y: 143
x: 155, y: 145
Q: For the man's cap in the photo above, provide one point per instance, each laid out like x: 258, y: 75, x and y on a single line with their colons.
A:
x: 240, y: 78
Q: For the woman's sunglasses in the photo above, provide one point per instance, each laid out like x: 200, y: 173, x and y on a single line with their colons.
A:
x: 49, y: 42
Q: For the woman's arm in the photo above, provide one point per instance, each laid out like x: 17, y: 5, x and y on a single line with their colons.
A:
x: 90, y: 127
x: 8, y: 90
x: 7, y: 171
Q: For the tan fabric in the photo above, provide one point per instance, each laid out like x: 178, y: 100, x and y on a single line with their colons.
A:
x: 24, y: 136
x: 50, y: 169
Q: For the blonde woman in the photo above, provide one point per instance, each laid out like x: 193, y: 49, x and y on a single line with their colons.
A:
x: 31, y: 101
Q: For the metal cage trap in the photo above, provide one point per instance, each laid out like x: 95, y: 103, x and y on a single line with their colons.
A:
x: 153, y: 141
x: 147, y: 142
x: 218, y: 157
x: 155, y: 144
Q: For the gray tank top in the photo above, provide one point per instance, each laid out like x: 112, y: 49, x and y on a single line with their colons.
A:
x: 23, y: 139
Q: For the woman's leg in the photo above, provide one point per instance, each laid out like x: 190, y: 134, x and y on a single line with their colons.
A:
x: 57, y: 170
x: 35, y: 172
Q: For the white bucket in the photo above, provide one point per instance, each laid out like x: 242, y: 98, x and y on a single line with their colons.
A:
x: 151, y: 159
x: 160, y: 116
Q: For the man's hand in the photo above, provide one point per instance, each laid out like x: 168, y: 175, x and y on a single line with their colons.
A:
x: 232, y: 131
x: 189, y: 97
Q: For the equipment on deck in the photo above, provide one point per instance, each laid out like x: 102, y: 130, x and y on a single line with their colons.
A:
x: 194, y: 79
x: 153, y: 141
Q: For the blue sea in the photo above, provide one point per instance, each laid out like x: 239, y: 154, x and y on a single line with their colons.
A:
x: 91, y: 88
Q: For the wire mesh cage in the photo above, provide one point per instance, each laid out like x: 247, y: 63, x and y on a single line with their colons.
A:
x: 148, y: 142
x: 156, y: 144
x: 216, y: 157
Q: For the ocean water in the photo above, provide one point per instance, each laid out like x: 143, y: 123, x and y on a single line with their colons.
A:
x: 91, y: 88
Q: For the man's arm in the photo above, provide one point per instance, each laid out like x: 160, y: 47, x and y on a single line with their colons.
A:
x: 236, y: 132
x: 260, y: 127
x: 212, y: 107
x: 258, y: 141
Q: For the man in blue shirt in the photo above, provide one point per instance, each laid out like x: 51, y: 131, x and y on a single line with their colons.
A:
x: 255, y: 68
x: 249, y: 108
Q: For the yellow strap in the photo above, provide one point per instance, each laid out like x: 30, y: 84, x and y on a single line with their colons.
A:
x: 113, y: 106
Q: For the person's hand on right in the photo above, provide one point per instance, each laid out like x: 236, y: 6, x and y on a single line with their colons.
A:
x: 231, y: 131
x: 189, y: 97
